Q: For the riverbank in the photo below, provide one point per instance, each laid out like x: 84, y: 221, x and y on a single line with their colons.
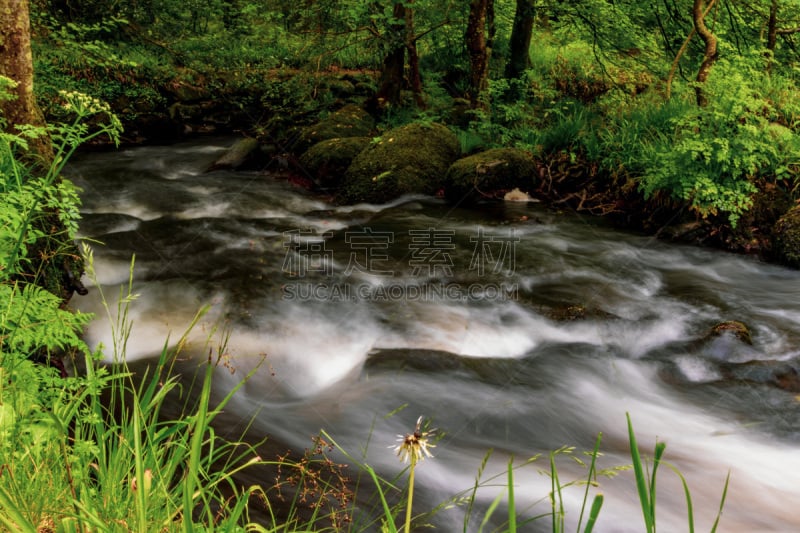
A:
x: 615, y: 129
x: 315, y: 145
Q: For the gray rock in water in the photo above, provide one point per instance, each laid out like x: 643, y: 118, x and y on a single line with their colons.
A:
x: 237, y: 155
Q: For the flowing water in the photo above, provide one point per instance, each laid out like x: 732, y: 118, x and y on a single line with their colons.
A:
x: 512, y: 327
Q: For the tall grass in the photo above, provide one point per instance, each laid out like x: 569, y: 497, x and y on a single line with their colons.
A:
x: 504, y: 507
x: 107, y: 460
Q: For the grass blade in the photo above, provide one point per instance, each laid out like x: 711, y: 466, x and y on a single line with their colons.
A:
x: 687, y: 492
x: 597, y: 503
x: 490, y: 512
x: 471, y: 499
x: 386, y: 511
x: 659, y: 452
x: 557, y: 501
x: 590, y: 477
x: 721, y: 503
x: 512, y: 512
x: 641, y: 482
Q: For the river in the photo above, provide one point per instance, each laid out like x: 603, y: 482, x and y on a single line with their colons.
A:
x: 512, y: 327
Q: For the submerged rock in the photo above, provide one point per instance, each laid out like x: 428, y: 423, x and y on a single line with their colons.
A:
x: 569, y: 313
x: 438, y: 362
x: 780, y: 374
x: 492, y: 174
x: 327, y: 161
x: 786, y: 240
x: 410, y: 159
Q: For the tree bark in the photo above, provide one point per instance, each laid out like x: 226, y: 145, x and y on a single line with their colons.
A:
x: 521, y: 31
x: 710, y: 55
x: 16, y: 62
x: 415, y: 79
x: 391, y: 81
x: 772, y: 26
x: 55, y: 263
x: 478, y: 39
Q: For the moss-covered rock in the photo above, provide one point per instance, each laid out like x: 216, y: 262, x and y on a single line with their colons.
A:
x: 410, y: 159
x: 491, y: 174
x: 786, y: 238
x: 349, y: 121
x: 738, y: 330
x: 327, y: 161
x: 237, y: 155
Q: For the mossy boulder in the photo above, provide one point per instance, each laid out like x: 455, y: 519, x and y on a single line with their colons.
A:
x: 349, y: 121
x: 491, y: 174
x: 786, y: 238
x: 327, y: 161
x: 410, y: 159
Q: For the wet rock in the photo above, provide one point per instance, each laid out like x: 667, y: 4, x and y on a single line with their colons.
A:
x: 491, y: 174
x: 328, y: 160
x: 349, y: 121
x: 733, y: 328
x: 569, y: 313
x: 786, y: 238
x: 410, y: 159
x: 726, y: 342
x: 237, y: 155
x: 779, y: 374
x: 437, y: 362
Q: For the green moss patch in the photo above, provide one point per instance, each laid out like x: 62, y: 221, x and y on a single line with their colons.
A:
x: 349, y: 121
x: 327, y: 161
x: 491, y: 174
x: 410, y: 159
x: 786, y: 240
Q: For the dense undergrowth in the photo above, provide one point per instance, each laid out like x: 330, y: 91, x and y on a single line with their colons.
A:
x: 602, y: 97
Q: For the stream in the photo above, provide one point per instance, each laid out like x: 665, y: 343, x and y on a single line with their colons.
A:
x: 511, y: 327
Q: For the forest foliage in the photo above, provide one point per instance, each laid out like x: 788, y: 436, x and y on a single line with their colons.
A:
x: 630, y: 86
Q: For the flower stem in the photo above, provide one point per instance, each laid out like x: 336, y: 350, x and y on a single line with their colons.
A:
x: 410, y: 492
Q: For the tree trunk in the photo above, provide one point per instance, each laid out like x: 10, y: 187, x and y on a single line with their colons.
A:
x: 772, y: 26
x: 710, y: 55
x: 415, y: 79
x: 391, y: 82
x: 16, y: 62
x: 520, y: 43
x: 54, y: 262
x: 478, y: 39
